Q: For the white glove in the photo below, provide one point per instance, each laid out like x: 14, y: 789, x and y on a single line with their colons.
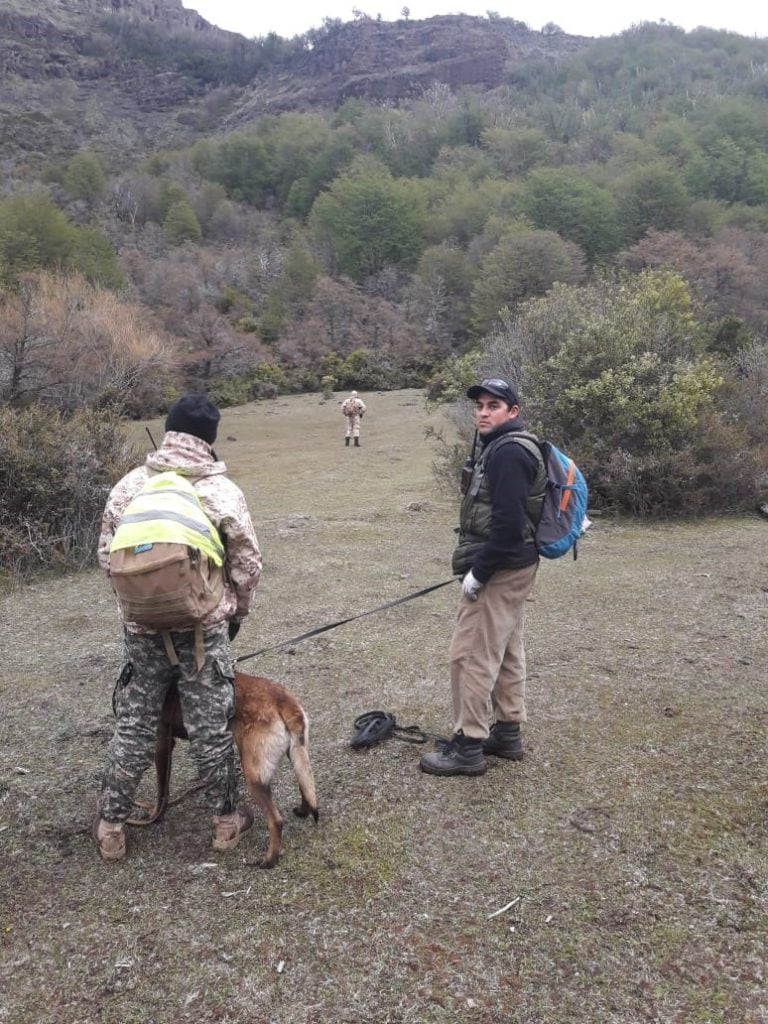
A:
x: 470, y: 586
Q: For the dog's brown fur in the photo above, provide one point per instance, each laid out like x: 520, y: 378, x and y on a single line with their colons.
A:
x: 269, y: 722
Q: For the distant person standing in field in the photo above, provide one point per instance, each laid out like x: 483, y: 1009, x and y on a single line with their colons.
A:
x: 353, y: 409
x: 497, y: 560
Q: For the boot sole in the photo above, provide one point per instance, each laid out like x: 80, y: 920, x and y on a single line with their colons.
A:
x: 480, y: 769
x: 507, y: 757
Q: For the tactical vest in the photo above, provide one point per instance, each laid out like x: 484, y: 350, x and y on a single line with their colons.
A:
x: 476, y: 510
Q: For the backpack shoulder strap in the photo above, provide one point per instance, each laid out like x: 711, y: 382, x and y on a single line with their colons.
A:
x: 528, y: 441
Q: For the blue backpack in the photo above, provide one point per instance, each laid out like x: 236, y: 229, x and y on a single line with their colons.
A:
x: 564, y: 511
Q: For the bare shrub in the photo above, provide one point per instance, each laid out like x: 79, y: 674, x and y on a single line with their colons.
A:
x: 55, y: 474
x: 70, y: 343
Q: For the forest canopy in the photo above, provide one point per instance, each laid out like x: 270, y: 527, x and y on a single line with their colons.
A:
x: 384, y: 245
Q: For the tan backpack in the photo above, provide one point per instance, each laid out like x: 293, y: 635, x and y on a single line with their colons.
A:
x: 166, y: 560
x: 165, y: 585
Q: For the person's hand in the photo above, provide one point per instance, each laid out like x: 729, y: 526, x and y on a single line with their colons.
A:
x: 470, y: 586
x: 233, y: 628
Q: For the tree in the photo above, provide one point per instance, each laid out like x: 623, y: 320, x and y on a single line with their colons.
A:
x: 516, y: 150
x: 728, y: 270
x: 440, y: 296
x: 461, y: 213
x: 239, y: 162
x: 367, y: 220
x: 563, y: 200
x: 652, y: 196
x: 297, y: 278
x: 84, y: 177
x: 524, y: 262
x: 35, y: 235
x: 619, y: 373
x: 181, y: 224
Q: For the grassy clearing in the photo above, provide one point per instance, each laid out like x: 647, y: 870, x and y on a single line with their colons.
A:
x: 627, y: 853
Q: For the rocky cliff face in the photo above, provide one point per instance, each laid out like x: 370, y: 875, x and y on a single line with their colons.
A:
x: 62, y: 38
x: 73, y: 74
x: 126, y: 76
x: 390, y: 61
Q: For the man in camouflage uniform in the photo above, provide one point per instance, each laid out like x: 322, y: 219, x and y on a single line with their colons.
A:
x: 207, y: 692
x: 353, y: 409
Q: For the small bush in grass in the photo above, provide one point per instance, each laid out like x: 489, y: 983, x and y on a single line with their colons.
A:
x: 55, y: 474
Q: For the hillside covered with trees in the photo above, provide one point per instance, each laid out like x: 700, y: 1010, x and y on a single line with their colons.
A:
x: 590, y: 214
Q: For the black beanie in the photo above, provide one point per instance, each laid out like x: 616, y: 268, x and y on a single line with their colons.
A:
x: 194, y: 414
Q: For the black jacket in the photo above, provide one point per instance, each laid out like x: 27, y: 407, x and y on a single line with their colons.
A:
x: 508, y: 543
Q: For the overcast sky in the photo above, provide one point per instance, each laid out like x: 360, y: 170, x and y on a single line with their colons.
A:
x: 288, y: 18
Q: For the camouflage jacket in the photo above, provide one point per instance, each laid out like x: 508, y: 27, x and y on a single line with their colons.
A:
x: 353, y: 406
x: 224, y: 505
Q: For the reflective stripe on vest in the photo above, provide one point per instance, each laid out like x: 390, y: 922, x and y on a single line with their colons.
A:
x: 168, y: 510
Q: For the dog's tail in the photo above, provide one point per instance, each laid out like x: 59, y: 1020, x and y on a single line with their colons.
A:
x: 297, y: 724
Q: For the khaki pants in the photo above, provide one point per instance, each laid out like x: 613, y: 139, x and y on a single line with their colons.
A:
x: 487, y: 657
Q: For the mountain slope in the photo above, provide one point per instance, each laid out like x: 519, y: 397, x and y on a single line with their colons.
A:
x: 145, y: 75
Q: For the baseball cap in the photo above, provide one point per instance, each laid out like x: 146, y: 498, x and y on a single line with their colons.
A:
x: 495, y: 386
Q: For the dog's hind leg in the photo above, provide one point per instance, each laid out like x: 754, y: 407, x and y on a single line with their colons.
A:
x: 299, y: 756
x: 262, y: 797
x: 163, y: 763
x: 163, y: 760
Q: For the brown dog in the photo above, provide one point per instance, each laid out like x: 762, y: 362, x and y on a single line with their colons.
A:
x: 269, y: 722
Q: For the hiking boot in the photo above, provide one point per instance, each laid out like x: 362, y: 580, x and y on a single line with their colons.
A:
x: 110, y: 839
x: 461, y: 755
x: 505, y: 741
x: 357, y: 442
x: 227, y: 828
x: 346, y: 441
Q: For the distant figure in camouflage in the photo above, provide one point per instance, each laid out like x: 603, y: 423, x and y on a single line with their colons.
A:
x: 204, y: 675
x: 353, y: 409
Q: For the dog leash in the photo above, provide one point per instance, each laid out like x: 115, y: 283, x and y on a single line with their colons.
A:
x: 341, y: 622
x: 375, y: 726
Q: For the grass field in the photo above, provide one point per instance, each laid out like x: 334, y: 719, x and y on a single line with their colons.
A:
x: 618, y: 875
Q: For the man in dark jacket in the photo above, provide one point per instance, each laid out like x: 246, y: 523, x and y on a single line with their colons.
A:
x: 497, y: 559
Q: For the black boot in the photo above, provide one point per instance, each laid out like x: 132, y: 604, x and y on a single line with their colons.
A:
x: 505, y: 741
x: 346, y: 441
x: 357, y: 442
x: 462, y: 755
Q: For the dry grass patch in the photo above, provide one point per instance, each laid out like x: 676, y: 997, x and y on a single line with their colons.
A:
x: 626, y: 853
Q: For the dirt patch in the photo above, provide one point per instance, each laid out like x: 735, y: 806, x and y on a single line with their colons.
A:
x: 616, y: 875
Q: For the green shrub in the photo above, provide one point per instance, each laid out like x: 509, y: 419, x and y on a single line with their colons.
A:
x: 55, y: 475
x: 623, y: 375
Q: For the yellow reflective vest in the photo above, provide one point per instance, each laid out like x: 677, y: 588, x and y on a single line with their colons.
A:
x: 167, y: 510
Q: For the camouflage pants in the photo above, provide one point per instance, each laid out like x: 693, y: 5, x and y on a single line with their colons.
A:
x: 353, y: 426
x: 207, y: 703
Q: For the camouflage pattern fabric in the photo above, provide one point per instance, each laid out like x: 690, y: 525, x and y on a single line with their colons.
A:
x: 207, y: 702
x: 224, y: 504
x: 353, y: 409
